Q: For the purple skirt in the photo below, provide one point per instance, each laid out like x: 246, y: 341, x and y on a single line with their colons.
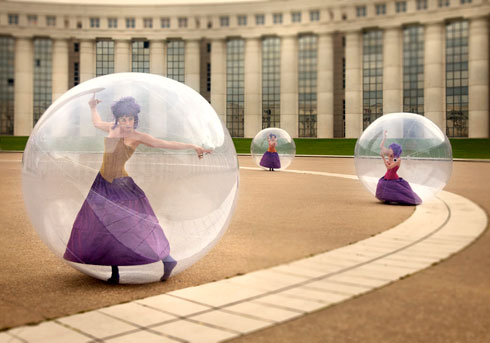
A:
x: 116, y: 226
x: 398, y: 191
x: 270, y: 160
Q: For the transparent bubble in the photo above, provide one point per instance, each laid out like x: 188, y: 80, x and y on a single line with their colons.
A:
x: 172, y: 205
x: 278, y: 140
x: 425, y: 162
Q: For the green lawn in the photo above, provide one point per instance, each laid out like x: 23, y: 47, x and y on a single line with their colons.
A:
x: 462, y: 147
x: 308, y: 146
x: 13, y: 143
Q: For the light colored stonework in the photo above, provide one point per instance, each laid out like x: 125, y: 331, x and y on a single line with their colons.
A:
x: 204, y: 22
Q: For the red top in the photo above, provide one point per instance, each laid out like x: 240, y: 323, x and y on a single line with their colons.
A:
x: 391, y: 174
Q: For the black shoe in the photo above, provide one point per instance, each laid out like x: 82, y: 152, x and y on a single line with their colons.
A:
x: 114, y: 279
x: 167, y: 269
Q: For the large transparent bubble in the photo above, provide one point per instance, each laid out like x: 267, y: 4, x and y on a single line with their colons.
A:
x: 273, y: 148
x: 425, y: 161
x: 192, y: 198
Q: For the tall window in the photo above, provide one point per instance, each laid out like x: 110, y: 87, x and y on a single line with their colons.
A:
x: 51, y: 20
x: 457, y: 79
x: 421, y: 4
x: 242, y: 20
x: 208, y: 77
x: 380, y: 9
x: 235, y: 88
x: 224, y: 21
x: 176, y: 60
x: 74, y: 66
x: 307, y: 82
x: 271, y: 82
x: 32, y: 19
x: 112, y: 23
x: 7, y: 85
x: 13, y: 19
x: 148, y: 23
x: 259, y: 19
x: 361, y: 11
x: 95, y: 22
x: 372, y: 71
x: 277, y: 18
x: 164, y: 23
x: 413, y: 69
x: 443, y: 3
x: 296, y: 17
x: 42, y: 76
x: 104, y: 57
x: 76, y: 73
x: 130, y: 23
x: 315, y: 15
x: 182, y: 22
x: 401, y: 6
x: 140, y: 53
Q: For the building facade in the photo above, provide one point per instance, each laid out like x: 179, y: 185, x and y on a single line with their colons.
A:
x: 316, y: 68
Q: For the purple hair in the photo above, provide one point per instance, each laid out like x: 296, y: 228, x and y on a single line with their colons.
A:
x: 272, y: 135
x: 397, y: 149
x: 126, y: 107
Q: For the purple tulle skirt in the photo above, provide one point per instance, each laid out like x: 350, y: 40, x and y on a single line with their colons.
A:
x: 398, y: 191
x: 116, y: 226
x: 270, y: 160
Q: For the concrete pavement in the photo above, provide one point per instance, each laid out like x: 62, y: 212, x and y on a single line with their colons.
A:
x: 334, y: 166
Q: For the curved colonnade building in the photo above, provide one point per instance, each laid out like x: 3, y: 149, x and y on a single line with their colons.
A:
x: 316, y: 68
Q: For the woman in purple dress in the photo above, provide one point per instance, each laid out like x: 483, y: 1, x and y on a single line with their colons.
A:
x: 270, y: 159
x: 391, y: 187
x: 116, y: 225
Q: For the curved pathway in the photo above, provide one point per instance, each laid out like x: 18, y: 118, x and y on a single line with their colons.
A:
x: 232, y: 307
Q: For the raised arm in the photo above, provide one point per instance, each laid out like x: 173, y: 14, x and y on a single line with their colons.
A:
x: 153, y: 142
x: 96, y: 120
x: 383, y: 150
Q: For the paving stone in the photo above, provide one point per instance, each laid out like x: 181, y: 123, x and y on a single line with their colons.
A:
x: 48, y: 332
x: 194, y: 332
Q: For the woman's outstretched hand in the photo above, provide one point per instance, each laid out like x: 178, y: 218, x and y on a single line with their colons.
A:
x: 93, y: 102
x: 201, y: 151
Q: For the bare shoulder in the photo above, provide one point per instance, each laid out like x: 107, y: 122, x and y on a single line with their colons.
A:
x: 142, y: 137
x: 138, y: 135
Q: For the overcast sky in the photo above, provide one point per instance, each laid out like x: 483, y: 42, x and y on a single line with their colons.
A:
x: 137, y: 2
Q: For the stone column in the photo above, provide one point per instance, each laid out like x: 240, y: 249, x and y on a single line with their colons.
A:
x: 60, y: 67
x: 157, y: 62
x: 23, y: 86
x: 392, y: 71
x: 218, y: 77
x: 192, y: 65
x: 325, y: 86
x: 87, y: 60
x: 434, y: 90
x: 122, y: 56
x: 478, y: 121
x: 87, y: 72
x: 289, y: 84
x: 353, y: 85
x: 253, y: 87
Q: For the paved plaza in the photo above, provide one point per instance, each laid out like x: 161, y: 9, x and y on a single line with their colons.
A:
x: 310, y: 256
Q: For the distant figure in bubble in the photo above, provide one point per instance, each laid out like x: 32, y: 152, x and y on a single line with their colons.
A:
x: 391, y: 187
x: 270, y: 159
x: 116, y: 225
